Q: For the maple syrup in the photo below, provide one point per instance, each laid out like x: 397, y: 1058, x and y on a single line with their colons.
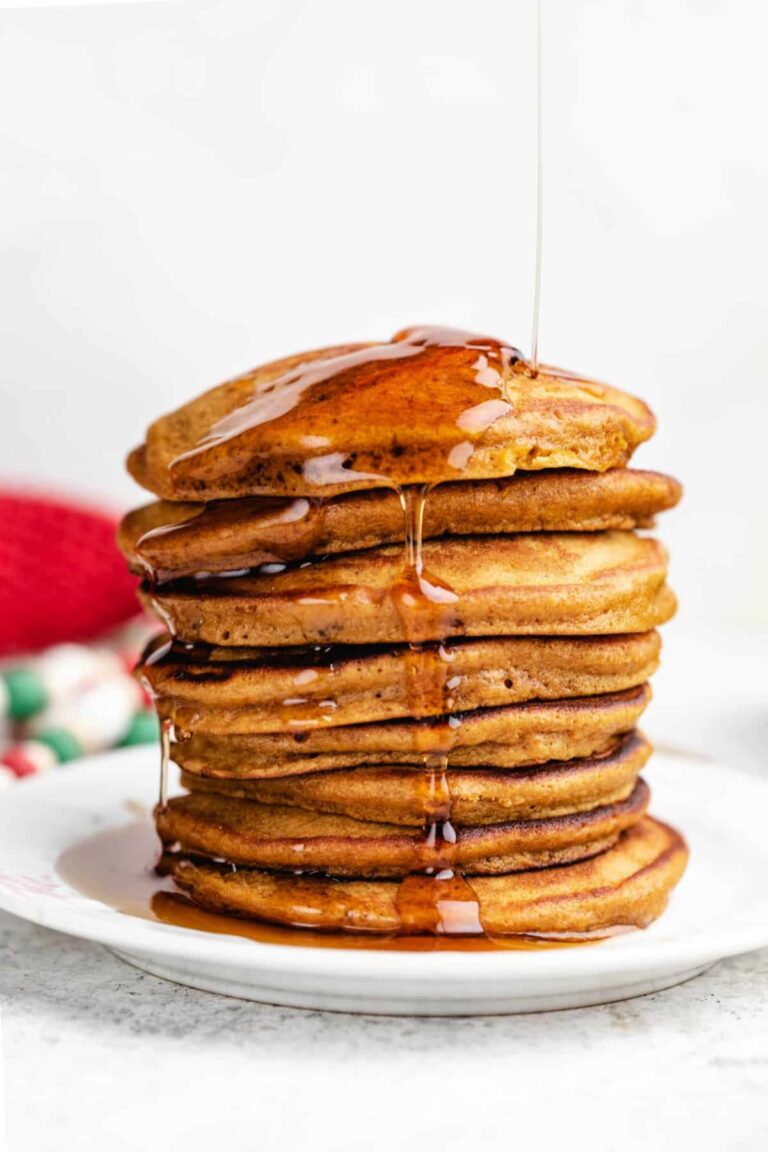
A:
x: 534, y: 359
x: 435, y: 898
x: 166, y: 733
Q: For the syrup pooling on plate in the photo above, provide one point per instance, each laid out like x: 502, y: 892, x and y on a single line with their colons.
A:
x: 170, y: 908
x: 459, y: 388
x: 110, y: 867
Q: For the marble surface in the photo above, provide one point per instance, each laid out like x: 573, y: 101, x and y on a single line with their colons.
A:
x: 98, y: 1055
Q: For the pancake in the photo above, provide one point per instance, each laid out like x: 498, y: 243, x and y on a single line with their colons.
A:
x: 272, y: 836
x: 232, y: 690
x: 629, y: 884
x: 479, y: 796
x: 174, y: 539
x: 512, y: 737
x: 429, y: 406
x: 545, y: 584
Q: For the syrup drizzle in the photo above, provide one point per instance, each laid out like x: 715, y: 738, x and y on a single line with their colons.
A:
x: 534, y: 360
x: 435, y: 898
x: 166, y: 735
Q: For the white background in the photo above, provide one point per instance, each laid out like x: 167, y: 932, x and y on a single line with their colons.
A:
x: 189, y: 189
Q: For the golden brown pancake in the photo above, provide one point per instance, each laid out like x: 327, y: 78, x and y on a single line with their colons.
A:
x: 174, y: 539
x: 545, y: 584
x: 629, y: 884
x: 429, y: 406
x: 515, y: 736
x: 271, y: 836
x: 479, y: 796
x: 234, y: 690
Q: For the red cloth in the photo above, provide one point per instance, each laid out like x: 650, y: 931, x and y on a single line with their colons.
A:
x: 61, y: 574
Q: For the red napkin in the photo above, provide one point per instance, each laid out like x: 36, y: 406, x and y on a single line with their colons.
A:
x: 62, y: 577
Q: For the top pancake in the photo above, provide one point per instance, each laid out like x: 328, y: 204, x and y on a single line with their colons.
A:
x: 173, y: 539
x: 432, y: 405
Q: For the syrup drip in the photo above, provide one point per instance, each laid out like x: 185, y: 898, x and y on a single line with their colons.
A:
x: 160, y: 611
x: 165, y: 757
x: 171, y: 908
x: 434, y: 899
x: 156, y: 650
x: 534, y: 361
x: 299, y: 713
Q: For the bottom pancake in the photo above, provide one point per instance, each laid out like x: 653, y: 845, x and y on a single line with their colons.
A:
x: 628, y: 885
x: 244, y: 832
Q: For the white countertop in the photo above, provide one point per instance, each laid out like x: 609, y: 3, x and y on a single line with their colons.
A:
x: 98, y: 1055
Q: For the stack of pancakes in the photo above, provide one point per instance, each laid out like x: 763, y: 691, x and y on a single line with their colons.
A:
x: 321, y: 684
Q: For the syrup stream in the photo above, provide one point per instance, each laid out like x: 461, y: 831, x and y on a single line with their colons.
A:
x: 534, y: 360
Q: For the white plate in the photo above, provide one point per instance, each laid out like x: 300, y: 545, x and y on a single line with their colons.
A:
x: 719, y: 909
